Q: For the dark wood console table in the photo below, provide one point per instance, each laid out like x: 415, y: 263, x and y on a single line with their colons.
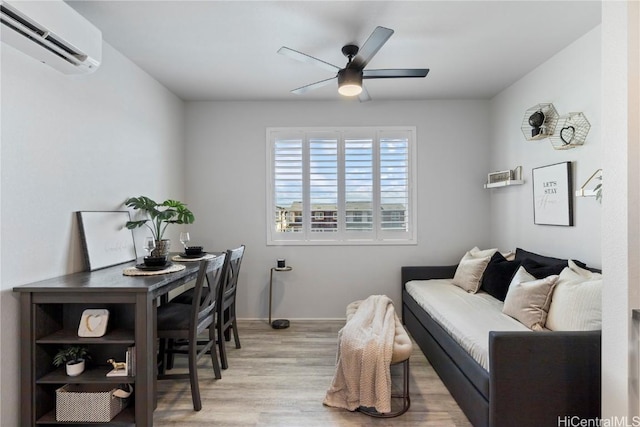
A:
x: 50, y: 312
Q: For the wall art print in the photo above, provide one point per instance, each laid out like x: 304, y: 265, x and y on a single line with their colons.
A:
x: 552, y: 195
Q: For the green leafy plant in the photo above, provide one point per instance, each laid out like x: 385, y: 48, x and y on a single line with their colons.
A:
x: 72, y: 354
x: 160, y: 215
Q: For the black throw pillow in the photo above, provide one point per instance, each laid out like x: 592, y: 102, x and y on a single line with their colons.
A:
x: 497, y: 276
x: 521, y: 254
x: 540, y: 271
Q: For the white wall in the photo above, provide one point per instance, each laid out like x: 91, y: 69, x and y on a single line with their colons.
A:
x: 73, y: 143
x: 226, y: 149
x: 571, y: 81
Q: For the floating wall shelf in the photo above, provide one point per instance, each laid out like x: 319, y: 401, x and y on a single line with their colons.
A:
x: 588, y: 188
x: 548, y: 126
x: 504, y: 183
x: 504, y: 178
x: 571, y: 131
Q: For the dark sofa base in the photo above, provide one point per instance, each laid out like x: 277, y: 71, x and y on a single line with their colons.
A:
x: 535, y: 379
x: 469, y: 398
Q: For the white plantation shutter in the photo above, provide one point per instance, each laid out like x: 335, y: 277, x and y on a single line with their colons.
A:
x: 323, y: 184
x: 358, y: 184
x: 341, y: 186
x: 288, y: 185
x: 394, y: 183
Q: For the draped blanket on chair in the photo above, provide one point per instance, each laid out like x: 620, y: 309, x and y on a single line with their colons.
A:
x: 365, y: 346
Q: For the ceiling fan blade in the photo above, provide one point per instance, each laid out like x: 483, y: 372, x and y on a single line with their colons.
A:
x: 376, y: 40
x: 364, y: 95
x: 316, y: 85
x: 303, y: 57
x: 395, y: 73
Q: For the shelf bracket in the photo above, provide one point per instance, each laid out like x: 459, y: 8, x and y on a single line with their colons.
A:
x: 583, y: 191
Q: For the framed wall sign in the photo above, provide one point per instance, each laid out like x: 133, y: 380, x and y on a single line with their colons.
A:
x: 552, y: 195
x: 105, y: 239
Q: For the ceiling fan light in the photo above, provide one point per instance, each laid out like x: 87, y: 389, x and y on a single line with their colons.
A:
x: 349, y: 82
x: 350, y: 90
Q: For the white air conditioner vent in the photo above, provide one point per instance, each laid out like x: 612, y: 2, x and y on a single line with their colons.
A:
x: 53, y: 33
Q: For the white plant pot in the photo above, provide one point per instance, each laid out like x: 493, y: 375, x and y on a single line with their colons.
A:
x: 75, y: 369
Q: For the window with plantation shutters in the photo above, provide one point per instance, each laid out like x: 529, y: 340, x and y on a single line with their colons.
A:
x: 341, y: 186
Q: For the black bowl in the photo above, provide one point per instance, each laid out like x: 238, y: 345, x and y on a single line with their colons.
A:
x: 155, y: 261
x: 193, y: 250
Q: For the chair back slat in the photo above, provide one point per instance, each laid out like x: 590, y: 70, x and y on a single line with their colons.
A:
x: 204, y: 302
x: 234, y: 257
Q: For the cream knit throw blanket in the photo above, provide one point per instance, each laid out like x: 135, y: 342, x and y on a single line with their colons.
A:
x: 365, y: 345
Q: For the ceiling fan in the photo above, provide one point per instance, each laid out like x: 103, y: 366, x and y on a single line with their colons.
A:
x: 350, y: 77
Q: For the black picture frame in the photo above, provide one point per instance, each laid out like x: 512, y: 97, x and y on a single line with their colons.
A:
x: 553, y: 194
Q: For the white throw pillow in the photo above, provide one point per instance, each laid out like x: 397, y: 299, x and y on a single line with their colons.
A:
x: 528, y: 299
x: 576, y: 303
x: 471, y: 267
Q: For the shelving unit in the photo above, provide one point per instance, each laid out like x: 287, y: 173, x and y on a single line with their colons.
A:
x: 50, y: 313
x: 56, y: 326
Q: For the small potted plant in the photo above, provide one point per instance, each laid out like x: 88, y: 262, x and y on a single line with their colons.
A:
x: 73, y: 357
x: 160, y: 215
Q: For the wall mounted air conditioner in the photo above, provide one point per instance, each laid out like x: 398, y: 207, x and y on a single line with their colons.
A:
x: 52, y: 32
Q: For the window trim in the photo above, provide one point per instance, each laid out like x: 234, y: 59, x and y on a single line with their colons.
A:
x: 375, y: 237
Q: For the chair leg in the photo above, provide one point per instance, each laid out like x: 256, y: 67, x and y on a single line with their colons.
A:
x: 236, y: 338
x: 227, y: 314
x: 193, y: 375
x: 221, y: 347
x: 169, y: 354
x: 162, y: 356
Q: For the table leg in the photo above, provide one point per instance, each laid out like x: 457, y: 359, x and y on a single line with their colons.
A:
x: 145, y: 372
x: 270, y: 292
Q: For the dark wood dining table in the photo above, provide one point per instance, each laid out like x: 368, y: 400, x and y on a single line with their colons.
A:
x: 50, y: 311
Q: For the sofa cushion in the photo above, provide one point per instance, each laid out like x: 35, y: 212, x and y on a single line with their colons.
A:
x: 576, y: 302
x: 471, y: 267
x: 497, y: 276
x: 467, y: 317
x: 528, y: 299
x: 521, y: 254
x: 539, y: 270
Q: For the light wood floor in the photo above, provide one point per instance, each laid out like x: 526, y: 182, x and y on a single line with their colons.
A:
x: 279, y: 378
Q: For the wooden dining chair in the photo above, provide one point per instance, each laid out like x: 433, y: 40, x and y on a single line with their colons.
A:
x: 226, y: 317
x: 226, y: 313
x: 186, y: 323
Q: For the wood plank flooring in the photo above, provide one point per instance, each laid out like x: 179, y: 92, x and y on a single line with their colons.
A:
x: 279, y: 378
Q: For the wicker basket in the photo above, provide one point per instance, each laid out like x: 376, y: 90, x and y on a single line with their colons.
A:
x: 88, y: 403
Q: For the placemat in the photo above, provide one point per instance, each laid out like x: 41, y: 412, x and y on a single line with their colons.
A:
x: 133, y: 271
x: 181, y: 259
